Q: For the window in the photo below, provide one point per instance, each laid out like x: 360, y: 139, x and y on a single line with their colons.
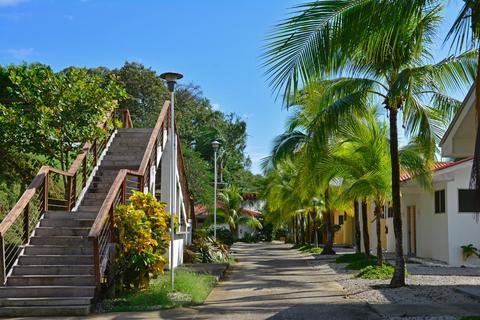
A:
x: 340, y: 220
x: 440, y: 201
x: 468, y: 201
x: 390, y: 211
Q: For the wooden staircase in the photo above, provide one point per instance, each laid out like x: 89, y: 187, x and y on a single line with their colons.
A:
x: 56, y: 251
x: 55, y: 273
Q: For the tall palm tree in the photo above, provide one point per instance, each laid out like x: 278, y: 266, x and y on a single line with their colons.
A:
x: 465, y: 32
x: 364, y: 155
x: 232, y: 213
x: 370, y: 50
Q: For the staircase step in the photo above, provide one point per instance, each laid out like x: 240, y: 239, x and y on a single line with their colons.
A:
x: 51, y: 280
x: 134, y: 130
x: 41, y: 311
x: 92, y: 202
x: 58, y: 250
x: 64, y: 240
x: 124, y: 157
x: 60, y: 232
x: 80, y: 214
x: 53, y: 269
x: 79, y: 223
x: 46, y: 291
x: 44, y: 301
x: 95, y: 195
x: 120, y: 163
x: 55, y: 259
x: 90, y: 208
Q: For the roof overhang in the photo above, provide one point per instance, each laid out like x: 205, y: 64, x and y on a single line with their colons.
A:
x: 459, y: 139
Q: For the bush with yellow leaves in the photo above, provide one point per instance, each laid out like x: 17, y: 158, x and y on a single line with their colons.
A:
x: 142, y: 228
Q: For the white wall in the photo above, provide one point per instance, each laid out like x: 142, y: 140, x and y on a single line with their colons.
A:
x: 178, y: 245
x: 462, y: 226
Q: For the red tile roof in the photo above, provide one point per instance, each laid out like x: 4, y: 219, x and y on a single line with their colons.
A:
x: 201, y: 210
x: 437, y: 166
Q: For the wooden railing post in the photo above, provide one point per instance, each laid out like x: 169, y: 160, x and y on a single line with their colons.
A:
x: 84, y: 178
x: 26, y: 224
x: 45, y: 193
x: 123, y: 194
x: 112, y: 225
x: 96, y: 261
x: 95, y: 156
x: 3, y: 267
x: 68, y: 193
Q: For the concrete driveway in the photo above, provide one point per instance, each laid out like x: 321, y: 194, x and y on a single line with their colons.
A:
x: 270, y: 281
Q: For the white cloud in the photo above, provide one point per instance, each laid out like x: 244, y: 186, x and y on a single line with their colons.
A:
x: 20, y: 53
x: 5, y: 3
x: 216, y: 106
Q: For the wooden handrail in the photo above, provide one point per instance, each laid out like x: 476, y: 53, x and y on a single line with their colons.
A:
x: 153, y: 137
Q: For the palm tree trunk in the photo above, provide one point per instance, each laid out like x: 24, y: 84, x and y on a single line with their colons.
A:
x: 475, y: 174
x: 293, y: 232
x: 366, y: 236
x: 378, y: 216
x: 328, y: 249
x: 309, y: 229
x: 398, y: 278
x: 315, y: 232
x: 302, y: 228
x: 358, y: 236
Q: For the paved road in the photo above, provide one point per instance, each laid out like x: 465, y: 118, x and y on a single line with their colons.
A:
x: 270, y: 282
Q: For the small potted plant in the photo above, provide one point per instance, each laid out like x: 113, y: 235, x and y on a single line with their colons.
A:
x: 469, y: 250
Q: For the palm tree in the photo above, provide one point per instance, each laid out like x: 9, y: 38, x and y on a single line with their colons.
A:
x: 231, y: 212
x: 364, y: 155
x: 369, y: 50
x: 465, y: 31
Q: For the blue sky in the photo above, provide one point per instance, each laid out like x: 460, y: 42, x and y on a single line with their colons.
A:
x: 214, y: 43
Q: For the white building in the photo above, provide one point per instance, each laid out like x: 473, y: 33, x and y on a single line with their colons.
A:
x: 437, y: 223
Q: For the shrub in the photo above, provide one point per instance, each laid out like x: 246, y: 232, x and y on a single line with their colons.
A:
x: 223, y: 235
x: 356, y: 261
x: 207, y: 250
x: 376, y: 272
x: 250, y: 238
x: 143, y: 238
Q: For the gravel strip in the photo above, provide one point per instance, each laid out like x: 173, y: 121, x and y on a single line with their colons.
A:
x: 425, y: 284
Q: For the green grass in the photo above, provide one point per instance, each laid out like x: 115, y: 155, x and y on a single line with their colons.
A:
x: 376, y: 272
x: 307, y: 248
x: 470, y: 318
x: 194, y: 287
x: 356, y: 261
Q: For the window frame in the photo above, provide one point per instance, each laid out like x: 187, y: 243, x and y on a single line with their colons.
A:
x: 442, y: 205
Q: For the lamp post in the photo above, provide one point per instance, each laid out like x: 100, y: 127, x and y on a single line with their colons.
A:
x: 171, y: 79
x: 215, y: 146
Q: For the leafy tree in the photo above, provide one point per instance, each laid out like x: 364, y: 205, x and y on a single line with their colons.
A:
x: 376, y: 51
x: 146, y: 90
x: 52, y: 114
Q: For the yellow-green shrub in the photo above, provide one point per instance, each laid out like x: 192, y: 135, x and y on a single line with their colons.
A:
x: 142, y: 240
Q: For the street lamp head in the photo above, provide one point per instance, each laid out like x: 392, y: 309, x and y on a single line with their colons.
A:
x: 215, y: 145
x: 171, y: 79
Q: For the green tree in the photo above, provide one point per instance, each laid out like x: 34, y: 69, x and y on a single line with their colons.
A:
x: 380, y: 49
x: 231, y: 212
x: 53, y: 114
